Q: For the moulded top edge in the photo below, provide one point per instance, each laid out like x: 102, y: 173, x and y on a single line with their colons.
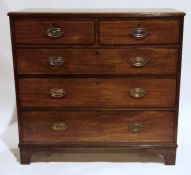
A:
x: 101, y: 11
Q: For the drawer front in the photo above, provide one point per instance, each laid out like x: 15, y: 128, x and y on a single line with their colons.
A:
x: 54, y: 32
x: 94, y: 92
x: 148, y: 31
x: 97, y: 61
x: 85, y: 126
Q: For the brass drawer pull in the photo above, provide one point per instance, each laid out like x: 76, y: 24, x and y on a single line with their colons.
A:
x: 135, y: 127
x: 56, y: 61
x: 139, y: 33
x: 137, y: 92
x: 59, y: 126
x: 57, y: 93
x: 138, y: 62
x: 54, y: 32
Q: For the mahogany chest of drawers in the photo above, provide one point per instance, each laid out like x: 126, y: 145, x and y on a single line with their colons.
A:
x: 95, y: 80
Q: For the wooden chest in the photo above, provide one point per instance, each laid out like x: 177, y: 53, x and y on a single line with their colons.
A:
x: 95, y: 80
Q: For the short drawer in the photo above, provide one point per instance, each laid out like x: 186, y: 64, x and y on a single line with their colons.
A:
x: 54, y: 32
x: 147, y: 31
x: 85, y: 126
x: 97, y: 61
x: 97, y: 92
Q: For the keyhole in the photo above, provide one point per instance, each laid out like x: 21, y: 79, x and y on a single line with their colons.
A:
x: 97, y: 82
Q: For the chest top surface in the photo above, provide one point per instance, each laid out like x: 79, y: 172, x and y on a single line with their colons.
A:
x: 117, y: 12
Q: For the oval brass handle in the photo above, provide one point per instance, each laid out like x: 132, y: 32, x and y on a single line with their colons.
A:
x: 137, y: 92
x: 139, y: 33
x: 55, y: 61
x: 54, y: 32
x: 59, y: 126
x: 57, y: 93
x: 137, y: 62
x: 135, y: 127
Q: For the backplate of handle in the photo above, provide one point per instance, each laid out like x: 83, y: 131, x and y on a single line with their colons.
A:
x: 55, y: 61
x: 57, y: 93
x: 138, y: 62
x: 135, y: 127
x: 139, y: 33
x: 59, y: 126
x: 137, y: 92
x: 54, y: 32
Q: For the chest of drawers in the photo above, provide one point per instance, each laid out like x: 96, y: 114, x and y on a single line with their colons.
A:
x: 95, y: 80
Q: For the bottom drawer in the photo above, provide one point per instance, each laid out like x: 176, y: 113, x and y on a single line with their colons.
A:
x: 48, y: 127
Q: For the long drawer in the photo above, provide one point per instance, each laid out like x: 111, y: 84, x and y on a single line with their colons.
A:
x: 147, y: 31
x: 48, y: 127
x: 54, y: 32
x: 97, y: 92
x: 97, y: 61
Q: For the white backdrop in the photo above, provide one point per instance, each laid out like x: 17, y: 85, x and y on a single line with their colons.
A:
x: 8, y: 121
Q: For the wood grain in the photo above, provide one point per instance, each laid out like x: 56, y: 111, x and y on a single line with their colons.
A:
x: 97, y: 61
x: 74, y: 32
x: 159, y: 31
x: 94, y: 92
x: 88, y: 126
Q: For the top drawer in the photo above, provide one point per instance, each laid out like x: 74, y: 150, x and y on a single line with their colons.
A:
x: 54, y: 32
x: 149, y: 31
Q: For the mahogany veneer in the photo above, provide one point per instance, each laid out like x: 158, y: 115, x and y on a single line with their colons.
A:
x: 98, y: 61
x: 95, y: 80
